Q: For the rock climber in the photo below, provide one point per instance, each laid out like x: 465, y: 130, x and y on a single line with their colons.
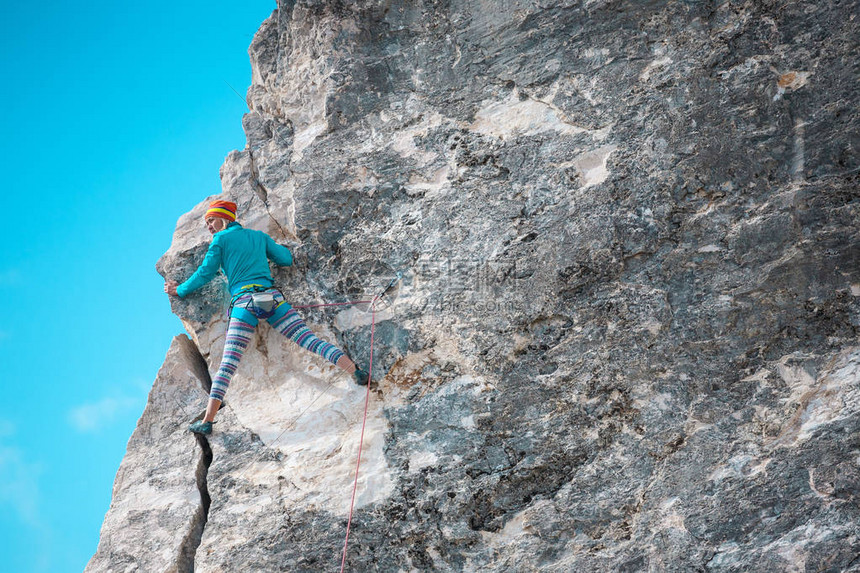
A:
x: 244, y: 255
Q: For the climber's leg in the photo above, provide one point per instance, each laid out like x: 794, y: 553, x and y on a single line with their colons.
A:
x: 211, y: 409
x: 346, y: 364
x: 240, y: 329
x: 290, y: 324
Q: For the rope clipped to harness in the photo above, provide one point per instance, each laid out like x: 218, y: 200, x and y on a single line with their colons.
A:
x: 259, y: 300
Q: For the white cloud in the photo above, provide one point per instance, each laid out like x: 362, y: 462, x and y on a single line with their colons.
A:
x: 20, y: 496
x: 94, y: 416
x: 18, y: 485
x: 18, y: 480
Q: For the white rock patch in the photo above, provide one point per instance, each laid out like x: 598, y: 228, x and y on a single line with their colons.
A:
x: 514, y: 117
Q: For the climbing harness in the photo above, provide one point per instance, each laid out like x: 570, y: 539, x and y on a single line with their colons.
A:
x: 259, y: 300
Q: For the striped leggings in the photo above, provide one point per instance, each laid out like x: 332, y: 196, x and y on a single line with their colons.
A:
x: 240, y: 330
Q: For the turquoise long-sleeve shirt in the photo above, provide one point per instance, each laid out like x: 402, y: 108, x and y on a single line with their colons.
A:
x: 243, y: 254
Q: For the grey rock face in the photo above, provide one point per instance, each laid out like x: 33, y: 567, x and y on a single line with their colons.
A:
x: 625, y: 338
x: 160, y: 501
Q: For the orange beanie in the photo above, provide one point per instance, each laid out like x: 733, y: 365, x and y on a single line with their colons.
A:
x: 223, y: 209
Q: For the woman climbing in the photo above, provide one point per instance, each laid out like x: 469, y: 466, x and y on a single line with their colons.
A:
x: 244, y: 255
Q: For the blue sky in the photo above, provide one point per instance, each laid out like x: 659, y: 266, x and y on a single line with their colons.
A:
x: 115, y: 120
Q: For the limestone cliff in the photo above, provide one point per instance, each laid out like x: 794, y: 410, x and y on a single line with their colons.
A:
x: 626, y: 334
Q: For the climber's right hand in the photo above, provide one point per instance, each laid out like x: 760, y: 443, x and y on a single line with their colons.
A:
x: 170, y: 287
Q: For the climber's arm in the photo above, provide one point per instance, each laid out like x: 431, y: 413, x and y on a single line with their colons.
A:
x: 278, y: 253
x: 204, y: 273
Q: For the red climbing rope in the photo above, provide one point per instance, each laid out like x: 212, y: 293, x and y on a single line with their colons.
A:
x: 333, y: 304
x: 361, y: 440
x: 366, y: 404
x: 296, y: 419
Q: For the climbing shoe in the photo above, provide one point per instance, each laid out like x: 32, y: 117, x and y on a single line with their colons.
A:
x: 361, y: 377
x: 201, y: 427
